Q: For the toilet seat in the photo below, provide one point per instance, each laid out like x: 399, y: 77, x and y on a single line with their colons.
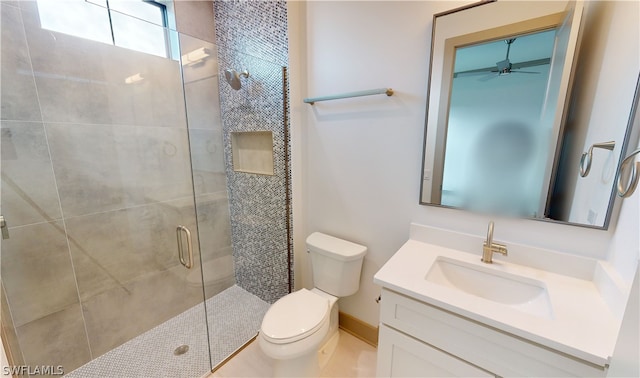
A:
x: 294, y: 317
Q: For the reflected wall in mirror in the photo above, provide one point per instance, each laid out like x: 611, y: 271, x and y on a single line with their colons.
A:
x: 497, y: 138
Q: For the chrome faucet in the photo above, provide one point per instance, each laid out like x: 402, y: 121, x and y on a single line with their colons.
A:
x: 489, y: 247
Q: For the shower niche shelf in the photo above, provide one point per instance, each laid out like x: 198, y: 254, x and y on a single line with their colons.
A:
x: 252, y: 152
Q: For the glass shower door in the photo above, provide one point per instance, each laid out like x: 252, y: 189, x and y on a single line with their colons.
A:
x: 96, y: 185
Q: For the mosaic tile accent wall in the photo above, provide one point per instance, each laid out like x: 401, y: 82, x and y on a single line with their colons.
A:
x: 257, y: 28
x: 252, y: 35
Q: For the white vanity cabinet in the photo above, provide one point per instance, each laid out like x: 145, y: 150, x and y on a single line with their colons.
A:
x: 400, y: 355
x: 421, y: 340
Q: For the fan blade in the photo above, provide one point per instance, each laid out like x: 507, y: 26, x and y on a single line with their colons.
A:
x: 531, y: 63
x: 472, y: 73
x: 478, y: 71
x: 489, y: 77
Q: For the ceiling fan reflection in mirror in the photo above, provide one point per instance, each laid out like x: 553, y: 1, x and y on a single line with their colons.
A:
x: 504, y: 67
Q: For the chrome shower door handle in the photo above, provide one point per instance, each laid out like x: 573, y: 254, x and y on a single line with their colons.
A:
x: 4, y: 227
x: 180, y: 231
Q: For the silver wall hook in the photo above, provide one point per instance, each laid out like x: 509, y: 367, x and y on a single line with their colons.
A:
x: 632, y: 181
x: 585, y: 160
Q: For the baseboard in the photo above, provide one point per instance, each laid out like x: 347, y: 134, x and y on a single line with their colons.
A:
x: 356, y: 327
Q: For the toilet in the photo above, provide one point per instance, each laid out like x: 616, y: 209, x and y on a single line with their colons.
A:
x: 300, y: 331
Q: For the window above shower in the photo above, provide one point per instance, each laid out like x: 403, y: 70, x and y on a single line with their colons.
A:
x: 133, y: 24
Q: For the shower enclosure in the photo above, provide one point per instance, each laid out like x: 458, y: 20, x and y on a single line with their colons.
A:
x: 119, y: 259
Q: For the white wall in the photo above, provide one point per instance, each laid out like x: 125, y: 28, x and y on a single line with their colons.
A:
x: 608, y: 67
x: 357, y: 162
x: 363, y: 158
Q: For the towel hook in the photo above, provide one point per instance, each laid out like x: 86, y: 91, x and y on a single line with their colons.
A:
x: 587, y: 156
x: 632, y: 182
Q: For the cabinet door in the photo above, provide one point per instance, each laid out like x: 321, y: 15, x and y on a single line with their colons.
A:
x: 400, y: 355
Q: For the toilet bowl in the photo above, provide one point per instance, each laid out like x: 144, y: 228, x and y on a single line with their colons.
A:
x: 294, y: 330
x: 300, y: 331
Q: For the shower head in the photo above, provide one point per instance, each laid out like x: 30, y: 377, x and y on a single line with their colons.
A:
x: 233, y: 78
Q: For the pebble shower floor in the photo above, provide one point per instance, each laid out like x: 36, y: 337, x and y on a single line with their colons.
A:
x: 234, y: 317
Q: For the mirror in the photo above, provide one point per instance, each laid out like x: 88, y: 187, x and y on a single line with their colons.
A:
x: 497, y: 138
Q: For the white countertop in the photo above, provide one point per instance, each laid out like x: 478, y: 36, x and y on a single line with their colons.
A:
x: 582, y: 325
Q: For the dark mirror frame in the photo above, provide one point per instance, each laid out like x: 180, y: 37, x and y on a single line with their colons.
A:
x: 630, y: 133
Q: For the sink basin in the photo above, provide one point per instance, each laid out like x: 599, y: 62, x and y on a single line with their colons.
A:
x: 521, y: 293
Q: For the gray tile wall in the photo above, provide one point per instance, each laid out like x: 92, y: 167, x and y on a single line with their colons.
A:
x: 96, y: 176
x: 252, y: 35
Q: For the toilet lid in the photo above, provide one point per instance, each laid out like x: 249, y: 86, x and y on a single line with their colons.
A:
x: 294, y: 317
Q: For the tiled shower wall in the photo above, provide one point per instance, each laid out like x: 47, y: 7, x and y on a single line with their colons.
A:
x: 252, y: 35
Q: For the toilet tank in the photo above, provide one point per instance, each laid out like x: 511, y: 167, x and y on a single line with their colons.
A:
x: 336, y: 264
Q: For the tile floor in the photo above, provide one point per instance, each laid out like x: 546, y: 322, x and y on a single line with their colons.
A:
x: 143, y: 357
x: 234, y: 317
x: 352, y: 358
